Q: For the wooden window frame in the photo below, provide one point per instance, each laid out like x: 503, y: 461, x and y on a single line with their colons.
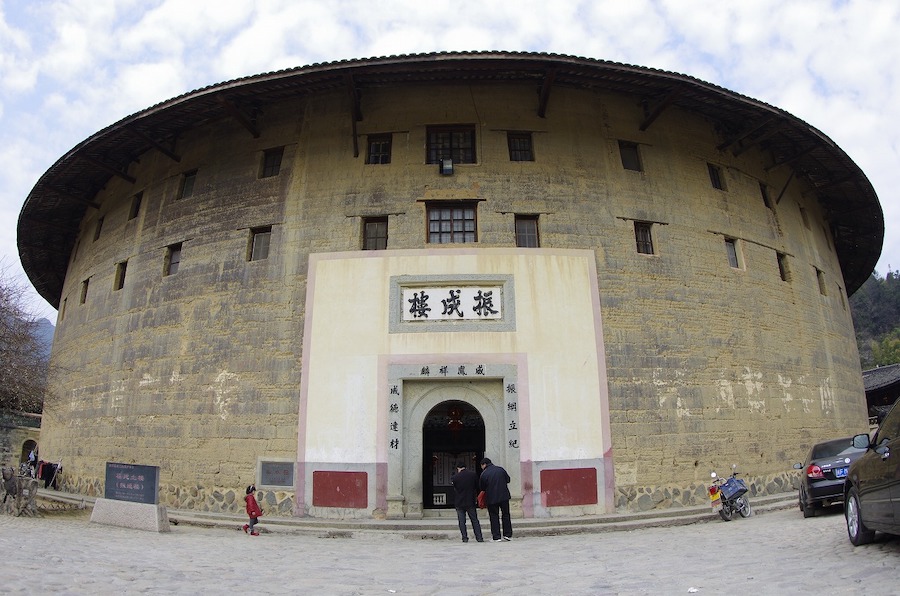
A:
x: 260, y: 245
x: 527, y: 231
x: 731, y: 250
x: 454, y: 141
x: 379, y: 148
x: 520, y: 144
x: 643, y: 237
x: 270, y: 166
x: 452, y: 215
x: 372, y: 237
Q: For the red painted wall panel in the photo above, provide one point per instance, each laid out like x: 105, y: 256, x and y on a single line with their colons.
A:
x: 571, y: 486
x: 340, y: 489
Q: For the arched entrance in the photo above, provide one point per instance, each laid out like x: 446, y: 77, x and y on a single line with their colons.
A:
x: 452, y: 431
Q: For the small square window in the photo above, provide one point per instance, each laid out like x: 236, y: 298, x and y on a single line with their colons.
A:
x: 375, y: 233
x: 451, y: 142
x: 527, y: 231
x: 62, y: 309
x: 452, y: 222
x: 643, y: 237
x: 84, y: 290
x: 783, y: 270
x: 98, y: 228
x: 271, y: 162
x: 631, y: 157
x: 119, y: 281
x: 135, y: 209
x: 186, y: 188
x: 259, y: 243
x: 715, y: 176
x: 379, y: 149
x: 732, y: 250
x: 173, y: 259
x: 520, y: 147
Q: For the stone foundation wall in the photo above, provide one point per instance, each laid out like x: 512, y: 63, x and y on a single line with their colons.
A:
x: 215, y: 499
x: 645, y: 498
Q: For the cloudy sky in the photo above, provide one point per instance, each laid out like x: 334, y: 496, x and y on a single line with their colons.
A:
x: 69, y: 68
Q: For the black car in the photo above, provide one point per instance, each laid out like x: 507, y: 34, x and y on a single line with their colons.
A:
x: 872, y: 489
x: 826, y: 467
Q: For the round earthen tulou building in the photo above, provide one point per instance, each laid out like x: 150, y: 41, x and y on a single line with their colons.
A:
x: 337, y: 280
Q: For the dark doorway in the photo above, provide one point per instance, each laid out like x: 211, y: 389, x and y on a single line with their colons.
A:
x: 453, y: 431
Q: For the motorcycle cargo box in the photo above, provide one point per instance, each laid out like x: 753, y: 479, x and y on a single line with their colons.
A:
x: 733, y: 488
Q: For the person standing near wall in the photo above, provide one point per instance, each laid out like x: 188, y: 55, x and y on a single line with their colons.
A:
x: 465, y: 484
x: 494, y: 481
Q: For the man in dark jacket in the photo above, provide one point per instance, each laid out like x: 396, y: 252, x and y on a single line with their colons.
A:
x: 494, y: 480
x: 465, y: 483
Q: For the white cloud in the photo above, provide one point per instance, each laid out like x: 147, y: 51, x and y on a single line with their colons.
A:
x: 71, y: 67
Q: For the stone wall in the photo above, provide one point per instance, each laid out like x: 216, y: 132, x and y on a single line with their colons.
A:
x: 708, y: 365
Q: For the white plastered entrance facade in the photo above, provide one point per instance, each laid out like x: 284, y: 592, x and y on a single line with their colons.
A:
x: 530, y: 361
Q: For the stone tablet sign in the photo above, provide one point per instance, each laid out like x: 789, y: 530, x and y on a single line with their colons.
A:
x: 276, y: 473
x: 129, y: 482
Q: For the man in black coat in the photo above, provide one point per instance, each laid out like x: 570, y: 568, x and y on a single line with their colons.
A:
x: 465, y: 483
x: 494, y: 480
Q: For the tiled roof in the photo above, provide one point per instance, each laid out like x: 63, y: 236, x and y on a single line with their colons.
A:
x: 50, y: 218
x: 883, y: 376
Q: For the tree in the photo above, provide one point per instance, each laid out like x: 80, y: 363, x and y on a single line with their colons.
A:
x: 876, y: 317
x: 23, y: 360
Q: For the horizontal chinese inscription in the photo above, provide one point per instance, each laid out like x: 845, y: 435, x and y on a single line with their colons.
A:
x: 449, y: 303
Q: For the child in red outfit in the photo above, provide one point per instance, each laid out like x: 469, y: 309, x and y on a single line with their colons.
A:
x: 253, y: 510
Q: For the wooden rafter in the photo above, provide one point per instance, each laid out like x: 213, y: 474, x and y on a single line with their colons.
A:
x: 546, y: 85
x: 355, y: 110
x: 112, y: 170
x: 740, y: 137
x: 242, y: 118
x: 653, y: 114
x: 158, y: 146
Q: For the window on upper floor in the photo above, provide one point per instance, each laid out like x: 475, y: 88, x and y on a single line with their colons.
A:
x: 520, y: 147
x: 98, y: 228
x: 631, y: 157
x: 643, y: 237
x: 135, y: 208
x: 783, y: 269
x: 527, y: 231
x: 452, y: 222
x: 173, y: 259
x: 715, y: 176
x: 84, y: 290
x: 186, y: 188
x: 731, y: 250
x: 820, y: 277
x: 456, y: 142
x: 805, y: 218
x: 375, y: 233
x: 271, y: 162
x: 764, y: 192
x: 378, y: 148
x: 119, y: 280
x: 260, y: 239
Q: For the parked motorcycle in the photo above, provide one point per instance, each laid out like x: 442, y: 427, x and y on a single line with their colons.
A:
x: 728, y: 496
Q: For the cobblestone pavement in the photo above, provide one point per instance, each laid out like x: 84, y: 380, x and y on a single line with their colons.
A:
x: 771, y: 553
